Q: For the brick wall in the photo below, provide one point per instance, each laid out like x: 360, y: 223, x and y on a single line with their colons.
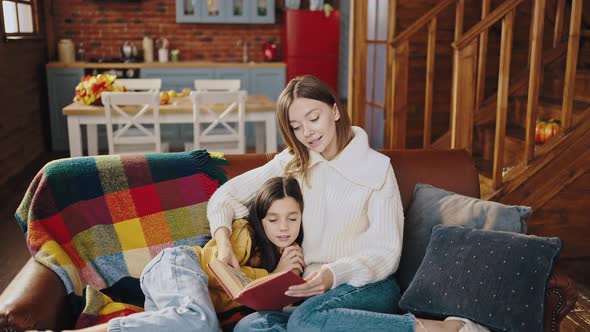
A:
x: 103, y: 26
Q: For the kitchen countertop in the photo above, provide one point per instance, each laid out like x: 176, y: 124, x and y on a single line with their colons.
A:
x: 170, y: 65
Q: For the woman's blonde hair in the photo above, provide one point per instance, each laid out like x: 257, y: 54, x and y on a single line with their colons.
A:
x: 309, y: 87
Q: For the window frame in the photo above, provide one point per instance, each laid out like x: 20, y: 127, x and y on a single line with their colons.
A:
x: 36, y: 34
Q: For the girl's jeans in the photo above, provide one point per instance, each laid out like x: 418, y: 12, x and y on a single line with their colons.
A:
x: 344, y: 308
x: 176, y: 296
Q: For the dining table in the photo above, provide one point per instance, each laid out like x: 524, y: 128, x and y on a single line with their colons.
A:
x: 260, y: 110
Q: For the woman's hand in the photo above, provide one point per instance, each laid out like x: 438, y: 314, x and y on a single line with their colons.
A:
x: 317, y: 283
x: 291, y: 260
x: 225, y: 252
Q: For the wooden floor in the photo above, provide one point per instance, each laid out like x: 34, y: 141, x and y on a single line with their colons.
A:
x: 14, y: 253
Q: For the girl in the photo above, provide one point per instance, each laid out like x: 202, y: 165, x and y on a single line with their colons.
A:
x: 181, y: 294
x: 353, y: 219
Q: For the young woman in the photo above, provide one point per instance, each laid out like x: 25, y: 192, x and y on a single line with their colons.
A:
x: 181, y: 294
x: 353, y: 219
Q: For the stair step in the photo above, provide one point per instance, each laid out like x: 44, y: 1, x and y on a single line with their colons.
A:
x: 548, y: 107
x: 513, y: 143
x: 553, y: 83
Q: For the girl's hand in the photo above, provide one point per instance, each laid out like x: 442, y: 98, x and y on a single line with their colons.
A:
x: 291, y: 260
x: 225, y: 252
x: 317, y: 283
x: 227, y: 255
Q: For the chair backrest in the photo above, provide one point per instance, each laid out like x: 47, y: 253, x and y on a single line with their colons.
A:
x: 141, y: 84
x: 218, y: 110
x: 217, y: 85
x: 137, y: 115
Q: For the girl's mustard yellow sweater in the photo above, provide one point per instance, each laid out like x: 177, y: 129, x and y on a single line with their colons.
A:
x: 242, y: 244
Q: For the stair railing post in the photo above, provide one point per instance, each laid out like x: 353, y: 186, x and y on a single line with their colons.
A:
x: 535, y: 77
x: 559, y: 21
x: 429, y: 93
x: 395, y: 118
x: 482, y: 57
x: 502, y: 108
x: 573, y: 47
x: 463, y: 97
x: 459, y: 12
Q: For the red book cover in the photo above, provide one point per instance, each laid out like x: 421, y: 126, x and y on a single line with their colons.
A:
x: 267, y: 293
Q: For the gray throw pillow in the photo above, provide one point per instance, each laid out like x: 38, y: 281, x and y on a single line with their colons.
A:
x: 432, y: 206
x: 496, y: 279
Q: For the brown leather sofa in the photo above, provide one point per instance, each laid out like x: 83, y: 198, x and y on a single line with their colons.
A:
x: 36, y: 296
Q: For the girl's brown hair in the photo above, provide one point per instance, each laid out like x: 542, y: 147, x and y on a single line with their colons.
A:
x: 309, y: 87
x: 273, y: 189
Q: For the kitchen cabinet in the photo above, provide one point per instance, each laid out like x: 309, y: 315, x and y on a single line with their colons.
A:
x: 225, y: 11
x: 177, y: 78
x: 267, y: 81
x: 61, y: 84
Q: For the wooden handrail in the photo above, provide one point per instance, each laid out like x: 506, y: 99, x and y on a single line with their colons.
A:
x: 484, y: 24
x: 421, y: 22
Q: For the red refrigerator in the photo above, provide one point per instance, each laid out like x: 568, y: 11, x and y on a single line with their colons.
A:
x: 311, y: 44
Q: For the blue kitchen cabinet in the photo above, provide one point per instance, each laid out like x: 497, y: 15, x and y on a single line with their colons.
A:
x: 267, y: 81
x: 261, y: 11
x: 61, y: 84
x: 270, y: 82
x: 178, y: 79
x: 241, y: 74
x: 225, y: 11
x: 188, y: 11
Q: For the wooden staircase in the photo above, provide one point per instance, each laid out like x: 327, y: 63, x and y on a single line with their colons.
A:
x: 498, y: 128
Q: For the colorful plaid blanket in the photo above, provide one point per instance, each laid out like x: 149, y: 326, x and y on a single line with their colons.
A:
x: 97, y: 221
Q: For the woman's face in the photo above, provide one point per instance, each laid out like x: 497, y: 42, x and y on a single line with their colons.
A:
x: 314, y: 125
x: 282, y: 222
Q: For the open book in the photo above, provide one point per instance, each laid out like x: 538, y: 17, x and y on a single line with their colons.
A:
x: 266, y: 293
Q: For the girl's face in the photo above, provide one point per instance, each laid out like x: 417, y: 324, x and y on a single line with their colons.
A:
x: 282, y: 222
x: 314, y: 125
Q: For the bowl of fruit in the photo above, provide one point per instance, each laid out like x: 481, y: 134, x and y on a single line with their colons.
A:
x: 167, y: 97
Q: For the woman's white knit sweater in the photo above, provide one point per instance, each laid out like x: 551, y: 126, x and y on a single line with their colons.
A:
x: 353, y: 215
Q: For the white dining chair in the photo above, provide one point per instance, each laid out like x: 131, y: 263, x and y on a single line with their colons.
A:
x: 141, y: 84
x: 217, y: 85
x: 133, y: 122
x: 219, y: 134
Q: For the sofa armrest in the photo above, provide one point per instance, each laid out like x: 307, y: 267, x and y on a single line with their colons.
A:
x: 560, y: 298
x: 34, y: 299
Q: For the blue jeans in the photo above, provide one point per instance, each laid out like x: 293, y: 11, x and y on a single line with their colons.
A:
x: 176, y: 296
x: 370, y: 308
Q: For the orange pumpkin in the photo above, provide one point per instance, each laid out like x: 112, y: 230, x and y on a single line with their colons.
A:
x: 545, y: 129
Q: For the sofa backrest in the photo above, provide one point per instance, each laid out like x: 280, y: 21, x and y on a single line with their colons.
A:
x: 452, y: 170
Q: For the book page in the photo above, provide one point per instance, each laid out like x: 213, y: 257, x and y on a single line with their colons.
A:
x: 239, y: 276
x: 231, y: 279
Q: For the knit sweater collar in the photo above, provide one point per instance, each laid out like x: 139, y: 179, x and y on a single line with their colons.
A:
x: 357, y: 162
